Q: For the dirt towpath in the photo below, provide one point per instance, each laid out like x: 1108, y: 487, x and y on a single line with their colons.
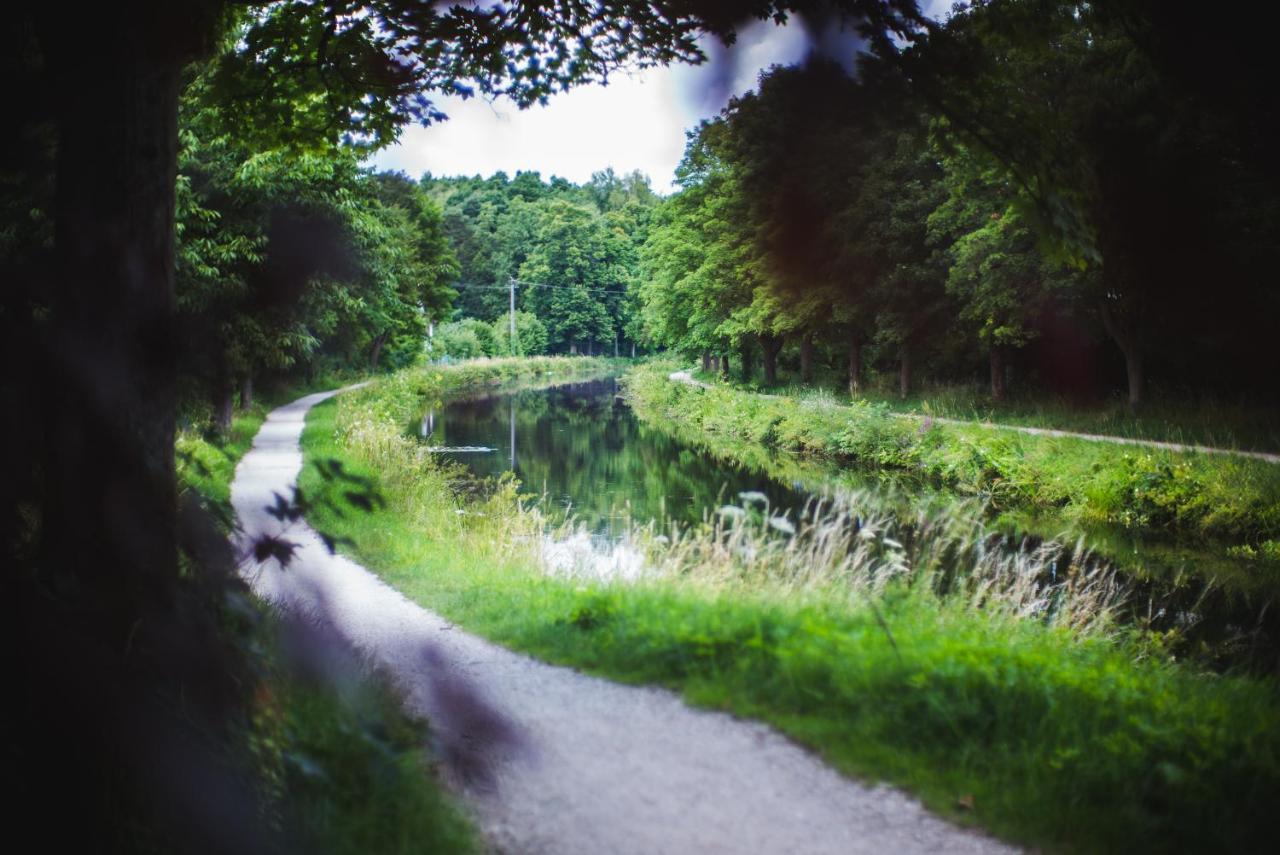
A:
x: 553, y: 761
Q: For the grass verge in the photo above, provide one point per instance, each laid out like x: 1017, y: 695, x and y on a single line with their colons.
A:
x: 1072, y: 737
x: 1165, y: 417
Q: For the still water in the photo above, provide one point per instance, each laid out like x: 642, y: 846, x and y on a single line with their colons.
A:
x: 580, y: 448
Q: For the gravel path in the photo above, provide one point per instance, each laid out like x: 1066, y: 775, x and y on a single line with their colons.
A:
x: 687, y: 378
x: 554, y: 761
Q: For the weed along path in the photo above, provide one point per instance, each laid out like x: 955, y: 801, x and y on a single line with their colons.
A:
x: 551, y: 760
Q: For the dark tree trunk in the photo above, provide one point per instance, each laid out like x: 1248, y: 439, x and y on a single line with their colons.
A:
x: 1135, y: 372
x: 706, y: 360
x: 110, y: 517
x: 806, y: 359
x: 904, y: 372
x: 1125, y: 330
x: 855, y: 362
x: 998, y: 384
x: 224, y: 406
x: 375, y: 352
x: 246, y: 392
x: 744, y: 360
x: 724, y: 365
x: 771, y: 345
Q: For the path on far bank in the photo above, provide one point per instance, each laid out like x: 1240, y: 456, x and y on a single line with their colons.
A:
x: 554, y: 761
x: 688, y: 378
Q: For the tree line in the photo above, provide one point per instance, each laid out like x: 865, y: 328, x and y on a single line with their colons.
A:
x: 1034, y: 184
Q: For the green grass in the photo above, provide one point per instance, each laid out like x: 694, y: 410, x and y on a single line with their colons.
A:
x: 351, y: 774
x: 348, y: 772
x: 1165, y: 418
x: 1193, y: 497
x: 1069, y: 739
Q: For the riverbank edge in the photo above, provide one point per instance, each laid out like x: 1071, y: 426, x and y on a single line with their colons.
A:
x: 998, y: 724
x: 351, y: 769
x: 1230, y: 503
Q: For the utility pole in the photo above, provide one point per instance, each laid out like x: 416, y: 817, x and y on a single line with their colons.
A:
x: 511, y: 289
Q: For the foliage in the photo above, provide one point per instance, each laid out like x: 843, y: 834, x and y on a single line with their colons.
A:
x: 572, y: 249
x: 284, y: 258
x: 531, y: 336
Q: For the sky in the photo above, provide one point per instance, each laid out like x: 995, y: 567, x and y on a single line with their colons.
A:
x: 637, y: 121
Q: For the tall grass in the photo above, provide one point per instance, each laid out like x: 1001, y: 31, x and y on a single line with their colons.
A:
x: 835, y: 552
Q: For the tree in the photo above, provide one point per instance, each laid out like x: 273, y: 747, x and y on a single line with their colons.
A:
x: 531, y: 336
x: 575, y: 266
x: 1003, y: 283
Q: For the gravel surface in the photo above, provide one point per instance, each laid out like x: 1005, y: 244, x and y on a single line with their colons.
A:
x: 553, y: 761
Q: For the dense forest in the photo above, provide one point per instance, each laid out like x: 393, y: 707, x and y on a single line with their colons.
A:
x: 1074, y: 199
x: 570, y: 251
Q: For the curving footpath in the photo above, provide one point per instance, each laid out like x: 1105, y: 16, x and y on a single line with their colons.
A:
x: 554, y: 761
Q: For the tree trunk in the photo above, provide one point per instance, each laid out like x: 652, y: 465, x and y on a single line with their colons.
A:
x: 855, y: 362
x: 224, y: 406
x: 376, y: 350
x: 1134, y: 370
x: 706, y: 360
x: 998, y: 385
x: 724, y: 365
x: 715, y: 364
x: 806, y: 359
x: 744, y: 359
x: 110, y: 515
x: 1126, y: 331
x: 633, y: 350
x: 770, y: 345
x: 246, y: 392
x: 904, y: 372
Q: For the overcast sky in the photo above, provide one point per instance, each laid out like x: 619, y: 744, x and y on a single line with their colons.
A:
x: 637, y: 121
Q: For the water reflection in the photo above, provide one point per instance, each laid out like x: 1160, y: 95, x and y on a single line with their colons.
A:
x: 580, y: 447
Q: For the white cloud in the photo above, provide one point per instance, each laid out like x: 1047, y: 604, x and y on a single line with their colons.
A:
x: 637, y: 121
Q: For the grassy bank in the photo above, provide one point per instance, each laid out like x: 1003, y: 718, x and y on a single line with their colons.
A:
x: 1188, y: 496
x: 349, y: 772
x: 995, y: 698
x: 1165, y: 417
